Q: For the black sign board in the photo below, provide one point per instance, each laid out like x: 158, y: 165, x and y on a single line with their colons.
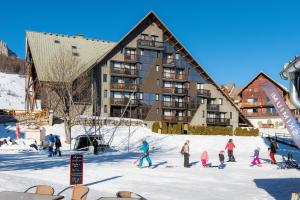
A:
x: 76, y: 169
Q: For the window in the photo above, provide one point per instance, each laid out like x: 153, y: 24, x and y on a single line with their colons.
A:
x: 74, y: 47
x: 177, y: 55
x: 230, y: 115
x: 104, y: 77
x: 157, y: 68
x: 144, y: 36
x: 75, y: 54
x: 141, y: 96
x: 141, y: 52
x: 105, y: 108
x: 157, y: 82
x: 268, y: 99
x: 220, y: 101
x: 154, y: 37
x: 56, y: 41
x: 157, y: 97
x: 203, y: 114
x: 202, y: 100
x: 105, y: 93
x: 252, y: 100
x: 200, y: 86
x: 189, y: 113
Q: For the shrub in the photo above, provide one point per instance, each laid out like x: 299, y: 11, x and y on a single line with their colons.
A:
x: 155, y: 127
x: 164, y: 128
x: 209, y: 130
x: 246, y: 132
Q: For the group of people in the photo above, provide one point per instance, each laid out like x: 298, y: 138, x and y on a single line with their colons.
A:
x: 54, y: 140
x: 185, y: 151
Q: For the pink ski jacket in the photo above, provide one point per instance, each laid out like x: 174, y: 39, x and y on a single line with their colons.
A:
x: 204, y: 155
x: 230, y: 146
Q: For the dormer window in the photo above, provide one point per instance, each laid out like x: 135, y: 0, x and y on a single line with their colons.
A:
x: 56, y: 41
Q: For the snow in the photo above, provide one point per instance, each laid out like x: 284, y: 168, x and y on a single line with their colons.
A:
x: 12, y: 91
x: 113, y: 171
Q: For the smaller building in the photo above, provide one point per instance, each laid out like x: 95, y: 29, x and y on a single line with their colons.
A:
x: 257, y: 107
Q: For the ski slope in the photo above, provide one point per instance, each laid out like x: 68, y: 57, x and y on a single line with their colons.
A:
x: 113, y: 171
x: 12, y: 91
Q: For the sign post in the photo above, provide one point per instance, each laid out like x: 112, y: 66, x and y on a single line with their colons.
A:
x: 76, y: 169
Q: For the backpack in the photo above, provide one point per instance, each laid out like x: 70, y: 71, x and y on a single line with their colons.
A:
x: 182, y: 150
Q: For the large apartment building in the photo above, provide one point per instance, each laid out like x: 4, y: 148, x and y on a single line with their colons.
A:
x: 148, y: 75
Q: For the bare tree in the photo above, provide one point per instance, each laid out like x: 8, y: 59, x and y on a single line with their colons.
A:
x: 64, y: 93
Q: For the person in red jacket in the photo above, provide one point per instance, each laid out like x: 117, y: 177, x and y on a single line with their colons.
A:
x: 230, y: 146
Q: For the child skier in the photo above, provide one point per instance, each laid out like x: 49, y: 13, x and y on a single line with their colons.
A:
x: 273, y: 149
x: 204, y: 158
x: 185, y: 151
x: 221, y: 158
x: 230, y: 146
x: 256, y: 159
x: 145, y: 149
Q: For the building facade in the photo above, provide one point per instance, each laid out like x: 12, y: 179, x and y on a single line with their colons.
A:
x: 257, y: 107
x: 150, y: 75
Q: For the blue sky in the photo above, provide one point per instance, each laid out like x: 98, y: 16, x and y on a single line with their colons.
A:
x: 232, y: 40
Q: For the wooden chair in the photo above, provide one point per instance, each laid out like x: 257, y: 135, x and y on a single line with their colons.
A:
x: 79, y: 192
x: 127, y: 194
x: 42, y: 189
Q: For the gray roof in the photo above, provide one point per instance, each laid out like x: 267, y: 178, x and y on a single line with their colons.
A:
x: 47, y: 47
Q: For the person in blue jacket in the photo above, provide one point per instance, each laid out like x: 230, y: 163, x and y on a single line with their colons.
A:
x: 51, y: 140
x: 145, y: 149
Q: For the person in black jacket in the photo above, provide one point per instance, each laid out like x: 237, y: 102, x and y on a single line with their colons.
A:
x: 273, y: 149
x: 57, y: 145
x: 95, y: 144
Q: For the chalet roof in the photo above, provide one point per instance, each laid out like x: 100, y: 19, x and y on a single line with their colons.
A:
x: 269, y: 78
x: 45, y: 47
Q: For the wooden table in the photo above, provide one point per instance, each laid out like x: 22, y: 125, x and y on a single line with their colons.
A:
x: 10, y: 195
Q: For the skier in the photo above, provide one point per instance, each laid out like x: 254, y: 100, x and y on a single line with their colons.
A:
x: 230, y: 146
x: 273, y: 149
x: 185, y: 151
x: 204, y: 158
x: 57, y: 145
x: 145, y: 154
x: 256, y: 159
x: 51, y: 140
x: 95, y: 144
x: 221, y: 159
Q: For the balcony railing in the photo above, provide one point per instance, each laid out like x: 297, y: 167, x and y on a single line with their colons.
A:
x: 174, y: 90
x: 172, y: 104
x: 170, y: 62
x: 218, y: 121
x: 203, y: 93
x: 256, y: 104
x: 175, y: 119
x: 260, y: 114
x: 123, y: 86
x: 123, y: 71
x: 130, y: 57
x: 122, y: 101
x: 150, y: 44
x: 213, y: 107
x: 168, y: 75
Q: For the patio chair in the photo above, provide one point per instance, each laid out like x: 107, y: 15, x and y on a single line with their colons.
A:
x: 127, y: 194
x: 42, y: 189
x: 79, y: 192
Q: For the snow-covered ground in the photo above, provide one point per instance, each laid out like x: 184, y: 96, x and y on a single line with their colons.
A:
x: 12, y: 91
x: 107, y: 173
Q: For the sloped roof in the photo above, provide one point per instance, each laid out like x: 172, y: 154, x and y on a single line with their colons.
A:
x: 45, y: 47
x: 268, y: 77
x: 177, y: 44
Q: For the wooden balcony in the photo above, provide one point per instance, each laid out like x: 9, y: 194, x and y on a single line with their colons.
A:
x: 130, y: 58
x: 122, y: 101
x: 123, y: 86
x: 123, y: 71
x: 213, y: 107
x: 218, y: 121
x: 203, y: 93
x: 260, y: 114
x: 255, y: 104
x: 175, y: 91
x: 174, y: 104
x: 150, y: 44
x: 174, y: 76
x: 175, y: 119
